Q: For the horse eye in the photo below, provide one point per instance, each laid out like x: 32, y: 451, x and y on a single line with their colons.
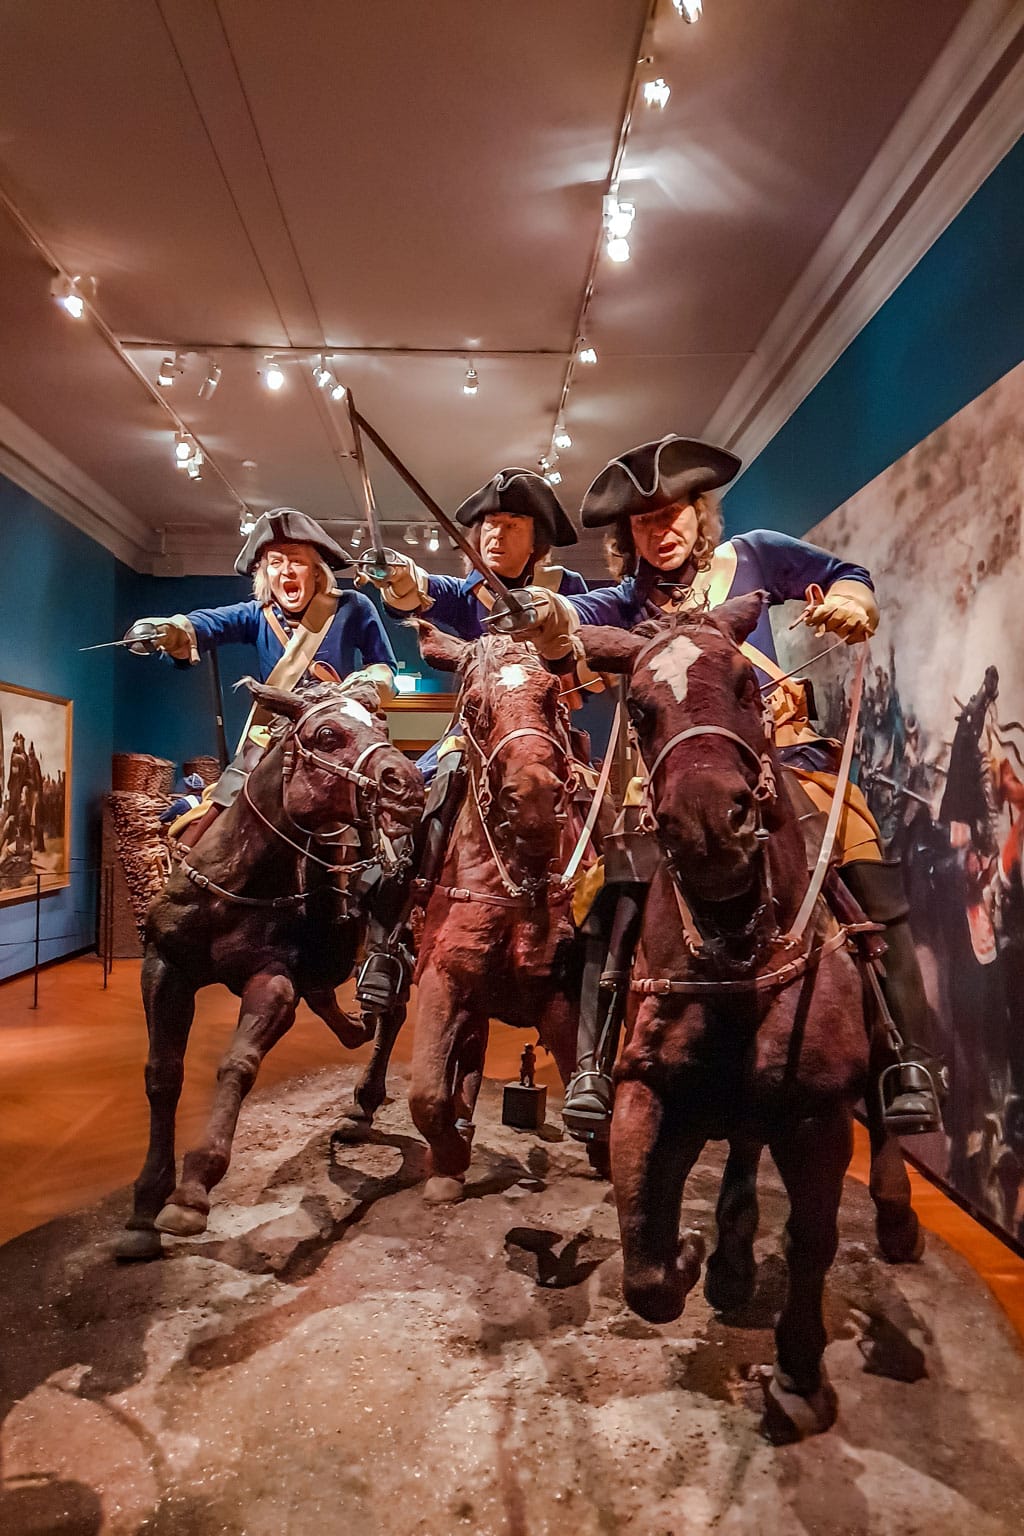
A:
x: 327, y: 737
x: 637, y: 713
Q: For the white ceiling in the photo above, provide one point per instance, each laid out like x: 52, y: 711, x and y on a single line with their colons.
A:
x: 409, y: 186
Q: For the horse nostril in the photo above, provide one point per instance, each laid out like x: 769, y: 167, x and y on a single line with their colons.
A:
x: 741, y: 813
x: 508, y: 800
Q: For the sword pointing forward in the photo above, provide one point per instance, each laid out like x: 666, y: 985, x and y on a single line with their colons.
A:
x: 141, y: 639
x: 510, y: 609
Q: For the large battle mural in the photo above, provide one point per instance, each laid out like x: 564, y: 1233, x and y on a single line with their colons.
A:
x: 941, y: 758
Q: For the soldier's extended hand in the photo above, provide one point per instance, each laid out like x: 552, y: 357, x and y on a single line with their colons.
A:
x: 149, y: 635
x: 838, y: 613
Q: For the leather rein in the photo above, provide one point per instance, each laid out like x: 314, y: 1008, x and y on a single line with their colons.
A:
x: 365, y: 818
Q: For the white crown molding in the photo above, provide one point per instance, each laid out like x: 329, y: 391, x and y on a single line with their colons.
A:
x: 860, y: 263
x: 39, y: 468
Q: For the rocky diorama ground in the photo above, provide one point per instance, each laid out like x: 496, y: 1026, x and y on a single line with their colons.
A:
x: 336, y: 1356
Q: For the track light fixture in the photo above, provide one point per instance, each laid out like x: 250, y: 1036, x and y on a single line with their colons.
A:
x: 553, y: 477
x: 433, y: 541
x: 246, y: 524
x: 337, y: 391
x: 194, y: 465
x: 356, y: 537
x: 618, y: 221
x: 471, y: 383
x: 412, y: 538
x: 561, y: 438
x: 170, y: 369
x: 68, y: 293
x: 183, y: 446
x: 273, y: 375
x: 656, y: 93
x: 585, y: 353
x: 689, y: 10
x: 211, y: 379
x: 324, y: 377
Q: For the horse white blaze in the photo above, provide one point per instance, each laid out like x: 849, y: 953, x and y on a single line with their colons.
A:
x: 672, y: 665
x: 512, y: 675
x: 355, y: 711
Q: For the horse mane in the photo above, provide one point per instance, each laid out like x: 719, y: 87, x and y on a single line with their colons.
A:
x: 491, y: 653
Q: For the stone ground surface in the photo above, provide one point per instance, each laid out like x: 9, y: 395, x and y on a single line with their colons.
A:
x: 335, y: 1356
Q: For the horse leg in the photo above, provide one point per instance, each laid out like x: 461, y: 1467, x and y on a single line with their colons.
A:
x: 348, y: 1031
x: 169, y: 1001
x: 812, y: 1158
x: 651, y: 1161
x: 731, y: 1273
x: 443, y: 1023
x: 370, y: 1091
x: 267, y: 1012
x: 897, y: 1228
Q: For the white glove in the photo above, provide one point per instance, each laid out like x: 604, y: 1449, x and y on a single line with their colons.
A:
x: 555, y: 624
x: 404, y: 586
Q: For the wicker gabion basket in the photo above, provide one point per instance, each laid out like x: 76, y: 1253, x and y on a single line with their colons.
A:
x: 141, y: 774
x: 141, y: 845
x: 208, y: 768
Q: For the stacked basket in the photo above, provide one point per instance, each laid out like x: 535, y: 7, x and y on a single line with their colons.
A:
x: 142, y: 774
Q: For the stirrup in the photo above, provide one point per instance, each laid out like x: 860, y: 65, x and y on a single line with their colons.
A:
x: 587, y: 1110
x: 383, y: 981
x: 909, y: 1099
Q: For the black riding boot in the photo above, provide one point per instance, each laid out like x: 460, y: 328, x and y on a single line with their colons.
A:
x: 909, y: 1092
x: 385, y: 974
x: 611, y: 932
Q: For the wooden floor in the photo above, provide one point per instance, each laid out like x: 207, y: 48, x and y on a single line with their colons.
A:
x: 73, y: 1114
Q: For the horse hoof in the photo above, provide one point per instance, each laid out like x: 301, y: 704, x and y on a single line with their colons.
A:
x: 789, y: 1416
x: 903, y: 1244
x: 726, y: 1288
x: 692, y: 1249
x: 137, y: 1244
x: 440, y: 1190
x: 354, y: 1128
x: 181, y: 1220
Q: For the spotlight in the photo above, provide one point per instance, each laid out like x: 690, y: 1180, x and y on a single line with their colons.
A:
x: 689, y: 10
x: 471, y: 383
x: 357, y: 537
x: 323, y: 376
x: 67, y: 292
x: 433, y: 541
x: 618, y: 250
x: 412, y: 538
x: 183, y: 446
x: 553, y: 477
x: 657, y: 93
x: 586, y: 354
x: 194, y: 465
x: 562, y: 438
x: 338, y: 392
x: 273, y: 376
x: 208, y: 387
x: 170, y: 369
x: 246, y: 524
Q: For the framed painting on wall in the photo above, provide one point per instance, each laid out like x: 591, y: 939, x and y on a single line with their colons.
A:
x: 35, y: 792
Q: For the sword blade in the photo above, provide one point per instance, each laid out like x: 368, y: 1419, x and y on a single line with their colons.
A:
x: 369, y: 503
x: 105, y: 646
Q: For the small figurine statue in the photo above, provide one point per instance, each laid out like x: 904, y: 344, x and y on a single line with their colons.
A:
x: 527, y: 1067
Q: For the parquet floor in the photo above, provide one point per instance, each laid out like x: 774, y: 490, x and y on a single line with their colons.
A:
x: 73, y: 1114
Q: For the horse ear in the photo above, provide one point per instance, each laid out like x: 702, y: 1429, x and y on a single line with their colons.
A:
x: 738, y: 617
x: 608, y: 649
x: 278, y: 700
x: 440, y: 650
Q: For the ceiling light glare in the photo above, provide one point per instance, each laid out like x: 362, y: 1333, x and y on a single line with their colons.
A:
x: 618, y: 250
x: 618, y: 218
x: 412, y: 538
x: 273, y: 377
x: 562, y: 438
x: 246, y: 524
x: 471, y: 383
x: 586, y: 353
x: 356, y: 538
x: 553, y: 477
x: 690, y: 10
x: 68, y: 295
x: 183, y: 446
x: 208, y: 387
x: 169, y: 370
x: 433, y: 541
x: 324, y: 377
x: 657, y: 93
x: 338, y: 392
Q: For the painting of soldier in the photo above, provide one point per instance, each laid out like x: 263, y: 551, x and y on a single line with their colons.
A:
x: 941, y: 760
x: 35, y: 803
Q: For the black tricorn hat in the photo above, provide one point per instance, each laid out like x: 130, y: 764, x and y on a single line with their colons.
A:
x: 655, y: 475
x: 520, y: 493
x: 288, y: 525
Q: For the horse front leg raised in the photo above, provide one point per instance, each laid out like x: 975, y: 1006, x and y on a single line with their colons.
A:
x: 651, y: 1160
x: 812, y: 1157
x: 731, y: 1274
x: 445, y: 1022
x: 169, y: 1000
x: 267, y: 1012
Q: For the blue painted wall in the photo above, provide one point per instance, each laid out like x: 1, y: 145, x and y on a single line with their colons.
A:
x: 58, y: 592
x: 954, y: 326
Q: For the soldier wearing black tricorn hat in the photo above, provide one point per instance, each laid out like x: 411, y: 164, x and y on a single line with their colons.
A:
x: 664, y: 526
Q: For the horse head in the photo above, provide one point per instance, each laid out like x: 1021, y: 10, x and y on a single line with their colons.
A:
x: 696, y: 707
x: 339, y: 768
x: 518, y: 742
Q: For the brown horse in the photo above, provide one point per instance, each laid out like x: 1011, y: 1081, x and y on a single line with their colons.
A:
x: 737, y: 1032
x: 270, y: 902
x: 497, y: 933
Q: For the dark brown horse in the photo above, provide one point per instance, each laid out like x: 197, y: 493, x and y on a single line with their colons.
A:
x: 737, y: 1032
x: 271, y: 903
x: 497, y: 932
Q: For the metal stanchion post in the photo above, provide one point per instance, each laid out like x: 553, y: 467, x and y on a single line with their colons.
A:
x: 102, y: 935
x: 35, y: 967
